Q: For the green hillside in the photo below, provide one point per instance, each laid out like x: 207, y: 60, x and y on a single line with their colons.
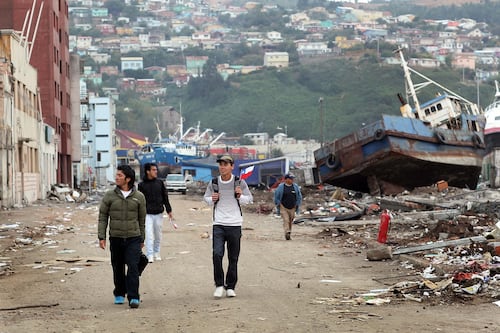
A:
x: 352, y: 94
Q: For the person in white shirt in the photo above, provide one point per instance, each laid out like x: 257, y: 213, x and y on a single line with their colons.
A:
x: 226, y: 193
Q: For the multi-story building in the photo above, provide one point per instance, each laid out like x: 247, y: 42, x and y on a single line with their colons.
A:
x: 27, y: 149
x: 49, y: 55
x: 98, y: 159
x: 132, y: 63
x: 101, y: 139
x: 276, y: 59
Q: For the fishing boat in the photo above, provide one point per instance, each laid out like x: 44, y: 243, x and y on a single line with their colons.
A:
x: 492, y: 127
x: 169, y: 153
x: 440, y: 140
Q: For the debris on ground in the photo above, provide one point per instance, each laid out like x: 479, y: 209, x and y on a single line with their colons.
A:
x: 449, y: 237
x: 446, y: 239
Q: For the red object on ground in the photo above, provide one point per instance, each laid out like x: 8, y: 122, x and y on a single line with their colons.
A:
x: 385, y: 219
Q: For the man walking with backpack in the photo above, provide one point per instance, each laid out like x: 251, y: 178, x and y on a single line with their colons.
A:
x: 226, y: 193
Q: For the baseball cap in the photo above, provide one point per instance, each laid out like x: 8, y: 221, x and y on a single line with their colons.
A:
x: 289, y: 176
x: 225, y: 158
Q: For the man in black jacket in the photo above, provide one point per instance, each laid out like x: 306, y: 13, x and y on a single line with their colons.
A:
x: 156, y: 201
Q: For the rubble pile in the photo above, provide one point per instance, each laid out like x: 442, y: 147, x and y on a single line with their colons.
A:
x: 64, y: 193
x: 444, y: 237
x: 449, y: 238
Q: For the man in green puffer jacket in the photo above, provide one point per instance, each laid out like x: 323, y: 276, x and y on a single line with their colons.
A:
x: 124, y: 210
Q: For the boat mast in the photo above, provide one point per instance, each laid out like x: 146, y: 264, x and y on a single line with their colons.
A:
x: 410, y: 85
x: 158, y: 132
x: 181, y: 125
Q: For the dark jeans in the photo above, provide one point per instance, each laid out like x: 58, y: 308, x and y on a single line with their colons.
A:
x: 221, y: 236
x: 126, y: 251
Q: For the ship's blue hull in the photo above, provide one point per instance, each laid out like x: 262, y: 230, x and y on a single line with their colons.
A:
x: 167, y: 161
x: 397, y: 153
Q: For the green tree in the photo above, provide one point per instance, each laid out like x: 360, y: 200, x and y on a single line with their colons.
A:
x: 185, y: 31
x: 115, y: 7
x: 136, y: 114
x: 210, y: 86
x: 276, y: 152
x: 132, y: 13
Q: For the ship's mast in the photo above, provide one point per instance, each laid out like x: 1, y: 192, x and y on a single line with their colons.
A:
x: 158, y: 132
x: 409, y: 83
x: 181, y: 125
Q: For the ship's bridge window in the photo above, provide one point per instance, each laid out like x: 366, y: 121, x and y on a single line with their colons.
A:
x: 427, y: 112
x: 439, y: 106
x: 433, y: 109
x: 473, y: 125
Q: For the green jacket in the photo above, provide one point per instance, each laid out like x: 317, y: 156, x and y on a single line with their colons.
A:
x: 126, y: 216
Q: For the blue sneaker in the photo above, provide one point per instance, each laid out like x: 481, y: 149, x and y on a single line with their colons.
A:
x: 134, y: 303
x: 119, y: 299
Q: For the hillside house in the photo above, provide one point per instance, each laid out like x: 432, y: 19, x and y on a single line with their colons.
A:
x: 424, y: 62
x: 83, y: 42
x: 133, y: 63
x: 128, y: 44
x: 175, y: 70
x: 201, y: 36
x: 312, y: 48
x: 106, y: 28
x: 274, y: 36
x: 100, y: 58
x: 464, y: 60
x: 276, y: 59
x: 149, y: 87
x: 109, y: 70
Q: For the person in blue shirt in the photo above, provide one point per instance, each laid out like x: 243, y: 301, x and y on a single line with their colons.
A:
x: 288, y: 199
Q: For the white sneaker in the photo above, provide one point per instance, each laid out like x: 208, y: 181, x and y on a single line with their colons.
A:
x: 219, y: 292
x: 157, y: 257
x: 150, y: 259
x: 230, y: 293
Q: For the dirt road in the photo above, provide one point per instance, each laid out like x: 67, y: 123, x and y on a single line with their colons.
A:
x: 63, y: 282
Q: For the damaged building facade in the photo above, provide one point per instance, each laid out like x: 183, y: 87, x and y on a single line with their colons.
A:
x: 44, y: 28
x: 28, y: 157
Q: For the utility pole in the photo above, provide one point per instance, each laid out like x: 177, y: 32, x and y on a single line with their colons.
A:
x: 477, y: 89
x: 322, y: 135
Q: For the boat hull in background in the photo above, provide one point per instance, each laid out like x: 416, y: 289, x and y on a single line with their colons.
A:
x: 398, y: 153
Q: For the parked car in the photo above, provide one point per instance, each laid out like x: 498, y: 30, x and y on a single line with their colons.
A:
x: 176, y: 183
